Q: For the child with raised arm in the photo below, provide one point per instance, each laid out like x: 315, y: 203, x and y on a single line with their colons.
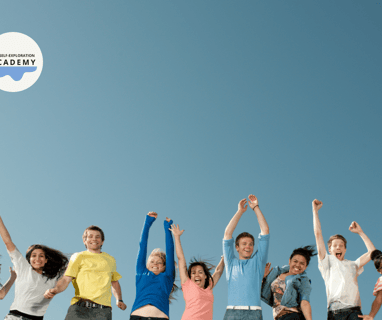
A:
x: 245, y: 275
x: 37, y: 272
x: 376, y: 256
x: 154, y: 280
x: 94, y: 276
x: 197, y: 282
x: 8, y: 285
x: 340, y: 275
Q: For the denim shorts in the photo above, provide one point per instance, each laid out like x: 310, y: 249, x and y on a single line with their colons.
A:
x: 232, y: 314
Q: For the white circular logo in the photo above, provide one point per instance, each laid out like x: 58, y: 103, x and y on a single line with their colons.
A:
x: 20, y: 62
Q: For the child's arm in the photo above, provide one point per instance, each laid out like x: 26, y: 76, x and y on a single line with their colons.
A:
x: 8, y: 285
x: 117, y: 293
x: 61, y: 285
x: 306, y: 309
x: 235, y: 220
x: 6, y: 237
x: 170, y: 257
x: 316, y: 205
x: 179, y: 253
x: 142, y: 253
x: 254, y: 204
x: 218, y: 271
x: 374, y: 307
x: 365, y: 258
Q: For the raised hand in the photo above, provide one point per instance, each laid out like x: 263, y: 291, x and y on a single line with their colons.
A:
x: 168, y: 220
x: 13, y: 273
x: 153, y: 214
x: 176, y: 230
x: 316, y: 205
x: 121, y: 305
x: 355, y: 227
x: 267, y: 269
x: 242, y: 205
x: 253, y: 202
x: 50, y: 293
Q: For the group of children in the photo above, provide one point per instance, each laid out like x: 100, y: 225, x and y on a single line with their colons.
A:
x: 45, y: 272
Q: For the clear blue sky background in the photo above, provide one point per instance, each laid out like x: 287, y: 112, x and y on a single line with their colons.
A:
x: 184, y: 108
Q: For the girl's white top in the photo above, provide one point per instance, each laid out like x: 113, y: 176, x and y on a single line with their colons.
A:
x: 30, y: 287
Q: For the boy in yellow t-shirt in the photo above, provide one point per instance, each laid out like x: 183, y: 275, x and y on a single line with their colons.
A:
x: 93, y: 273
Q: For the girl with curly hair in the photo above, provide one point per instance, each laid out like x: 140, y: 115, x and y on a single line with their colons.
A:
x: 36, y: 273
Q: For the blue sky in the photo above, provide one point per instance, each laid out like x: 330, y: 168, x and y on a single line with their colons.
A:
x: 184, y: 108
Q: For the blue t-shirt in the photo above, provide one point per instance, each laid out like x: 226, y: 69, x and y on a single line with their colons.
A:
x: 150, y: 288
x: 245, y: 276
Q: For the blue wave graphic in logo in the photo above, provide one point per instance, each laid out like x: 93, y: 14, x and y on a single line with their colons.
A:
x: 16, y: 73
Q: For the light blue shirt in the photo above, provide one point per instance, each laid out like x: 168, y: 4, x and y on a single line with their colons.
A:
x: 245, y: 276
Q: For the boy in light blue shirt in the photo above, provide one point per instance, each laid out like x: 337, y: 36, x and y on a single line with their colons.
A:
x: 245, y: 275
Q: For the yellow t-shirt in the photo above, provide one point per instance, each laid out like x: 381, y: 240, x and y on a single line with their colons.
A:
x: 92, y: 275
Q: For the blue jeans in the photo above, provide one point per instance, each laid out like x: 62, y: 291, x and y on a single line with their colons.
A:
x: 232, y: 314
x: 345, y: 314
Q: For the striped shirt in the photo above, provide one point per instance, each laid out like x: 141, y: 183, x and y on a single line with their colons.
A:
x: 378, y: 286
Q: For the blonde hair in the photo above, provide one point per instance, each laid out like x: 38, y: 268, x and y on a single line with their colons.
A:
x: 157, y: 253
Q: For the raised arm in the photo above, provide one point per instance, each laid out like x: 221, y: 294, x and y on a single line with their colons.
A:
x: 61, y: 285
x: 117, y: 293
x: 235, y: 220
x: 316, y: 205
x: 6, y: 237
x: 142, y: 253
x: 170, y: 259
x: 374, y: 307
x: 365, y: 258
x: 254, y: 204
x: 179, y: 253
x: 8, y: 285
x: 218, y: 271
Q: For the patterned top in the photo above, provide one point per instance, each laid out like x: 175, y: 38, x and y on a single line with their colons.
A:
x: 378, y: 286
x: 278, y: 288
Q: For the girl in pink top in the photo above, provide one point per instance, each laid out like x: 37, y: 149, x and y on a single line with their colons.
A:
x: 197, y: 283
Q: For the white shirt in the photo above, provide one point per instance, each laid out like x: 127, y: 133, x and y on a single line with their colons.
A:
x: 341, y: 282
x: 30, y: 287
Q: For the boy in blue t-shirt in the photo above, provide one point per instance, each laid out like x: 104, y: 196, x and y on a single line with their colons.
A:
x: 244, y: 275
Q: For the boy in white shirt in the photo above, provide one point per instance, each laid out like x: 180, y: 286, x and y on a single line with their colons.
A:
x: 340, y: 275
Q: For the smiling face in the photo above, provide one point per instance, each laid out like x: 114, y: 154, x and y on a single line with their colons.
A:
x: 245, y: 248
x: 338, y: 249
x: 198, y: 276
x: 38, y: 260
x: 297, y: 264
x: 93, y: 241
x: 155, y: 264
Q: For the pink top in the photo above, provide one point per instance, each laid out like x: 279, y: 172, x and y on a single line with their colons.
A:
x: 199, y: 302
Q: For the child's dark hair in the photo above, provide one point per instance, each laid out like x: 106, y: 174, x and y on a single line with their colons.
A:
x: 56, y: 264
x: 376, y: 256
x: 207, y: 267
x: 307, y: 252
